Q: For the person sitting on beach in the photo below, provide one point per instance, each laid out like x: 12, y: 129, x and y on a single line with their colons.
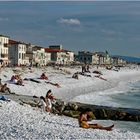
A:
x: 16, y: 79
x: 75, y: 76
x: 49, y: 95
x: 13, y: 78
x: 43, y: 104
x: 85, y: 116
x: 57, y: 105
x: 20, y: 82
x: 43, y: 76
x: 5, y: 89
x: 49, y: 98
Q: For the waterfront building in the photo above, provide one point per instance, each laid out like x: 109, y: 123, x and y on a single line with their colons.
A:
x: 17, y: 53
x: 4, y: 40
x: 59, y: 55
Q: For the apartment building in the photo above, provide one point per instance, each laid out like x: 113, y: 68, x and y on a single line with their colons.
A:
x: 4, y: 40
x: 59, y: 55
x: 40, y: 57
x: 85, y: 57
x: 17, y: 53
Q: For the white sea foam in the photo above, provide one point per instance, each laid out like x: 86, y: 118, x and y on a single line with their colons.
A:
x: 103, y: 97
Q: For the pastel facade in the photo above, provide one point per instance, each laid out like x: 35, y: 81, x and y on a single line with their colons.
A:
x: 95, y: 59
x: 39, y: 56
x: 116, y: 61
x: 59, y: 55
x: 121, y: 62
x: 102, y: 58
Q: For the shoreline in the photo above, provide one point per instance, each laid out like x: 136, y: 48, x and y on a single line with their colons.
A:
x: 73, y: 109
x: 96, y: 85
x: 70, y: 88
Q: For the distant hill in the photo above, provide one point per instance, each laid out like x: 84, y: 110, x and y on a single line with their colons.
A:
x: 129, y: 58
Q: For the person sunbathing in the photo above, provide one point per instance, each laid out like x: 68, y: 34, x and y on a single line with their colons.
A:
x: 5, y: 89
x: 85, y: 116
x: 54, y: 84
x: 43, y: 76
x: 100, y: 77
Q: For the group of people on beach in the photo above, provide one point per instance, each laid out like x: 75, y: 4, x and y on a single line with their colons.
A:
x: 85, y: 115
x: 49, y: 100
x: 85, y: 68
x: 16, y: 79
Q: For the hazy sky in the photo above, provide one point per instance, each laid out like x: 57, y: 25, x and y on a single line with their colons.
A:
x: 91, y: 26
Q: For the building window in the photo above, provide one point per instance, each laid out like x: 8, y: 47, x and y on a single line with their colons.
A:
x: 19, y: 55
x: 19, y: 48
x: 23, y: 56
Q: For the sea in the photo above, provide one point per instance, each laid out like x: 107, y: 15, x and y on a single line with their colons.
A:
x: 125, y: 95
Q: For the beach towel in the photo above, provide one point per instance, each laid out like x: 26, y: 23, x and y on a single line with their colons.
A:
x: 31, y: 79
x: 4, y: 99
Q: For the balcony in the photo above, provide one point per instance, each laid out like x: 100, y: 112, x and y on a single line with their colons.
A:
x: 4, y: 55
x: 6, y: 45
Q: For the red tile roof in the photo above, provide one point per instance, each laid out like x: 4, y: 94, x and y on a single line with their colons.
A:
x: 13, y: 42
x: 50, y: 50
